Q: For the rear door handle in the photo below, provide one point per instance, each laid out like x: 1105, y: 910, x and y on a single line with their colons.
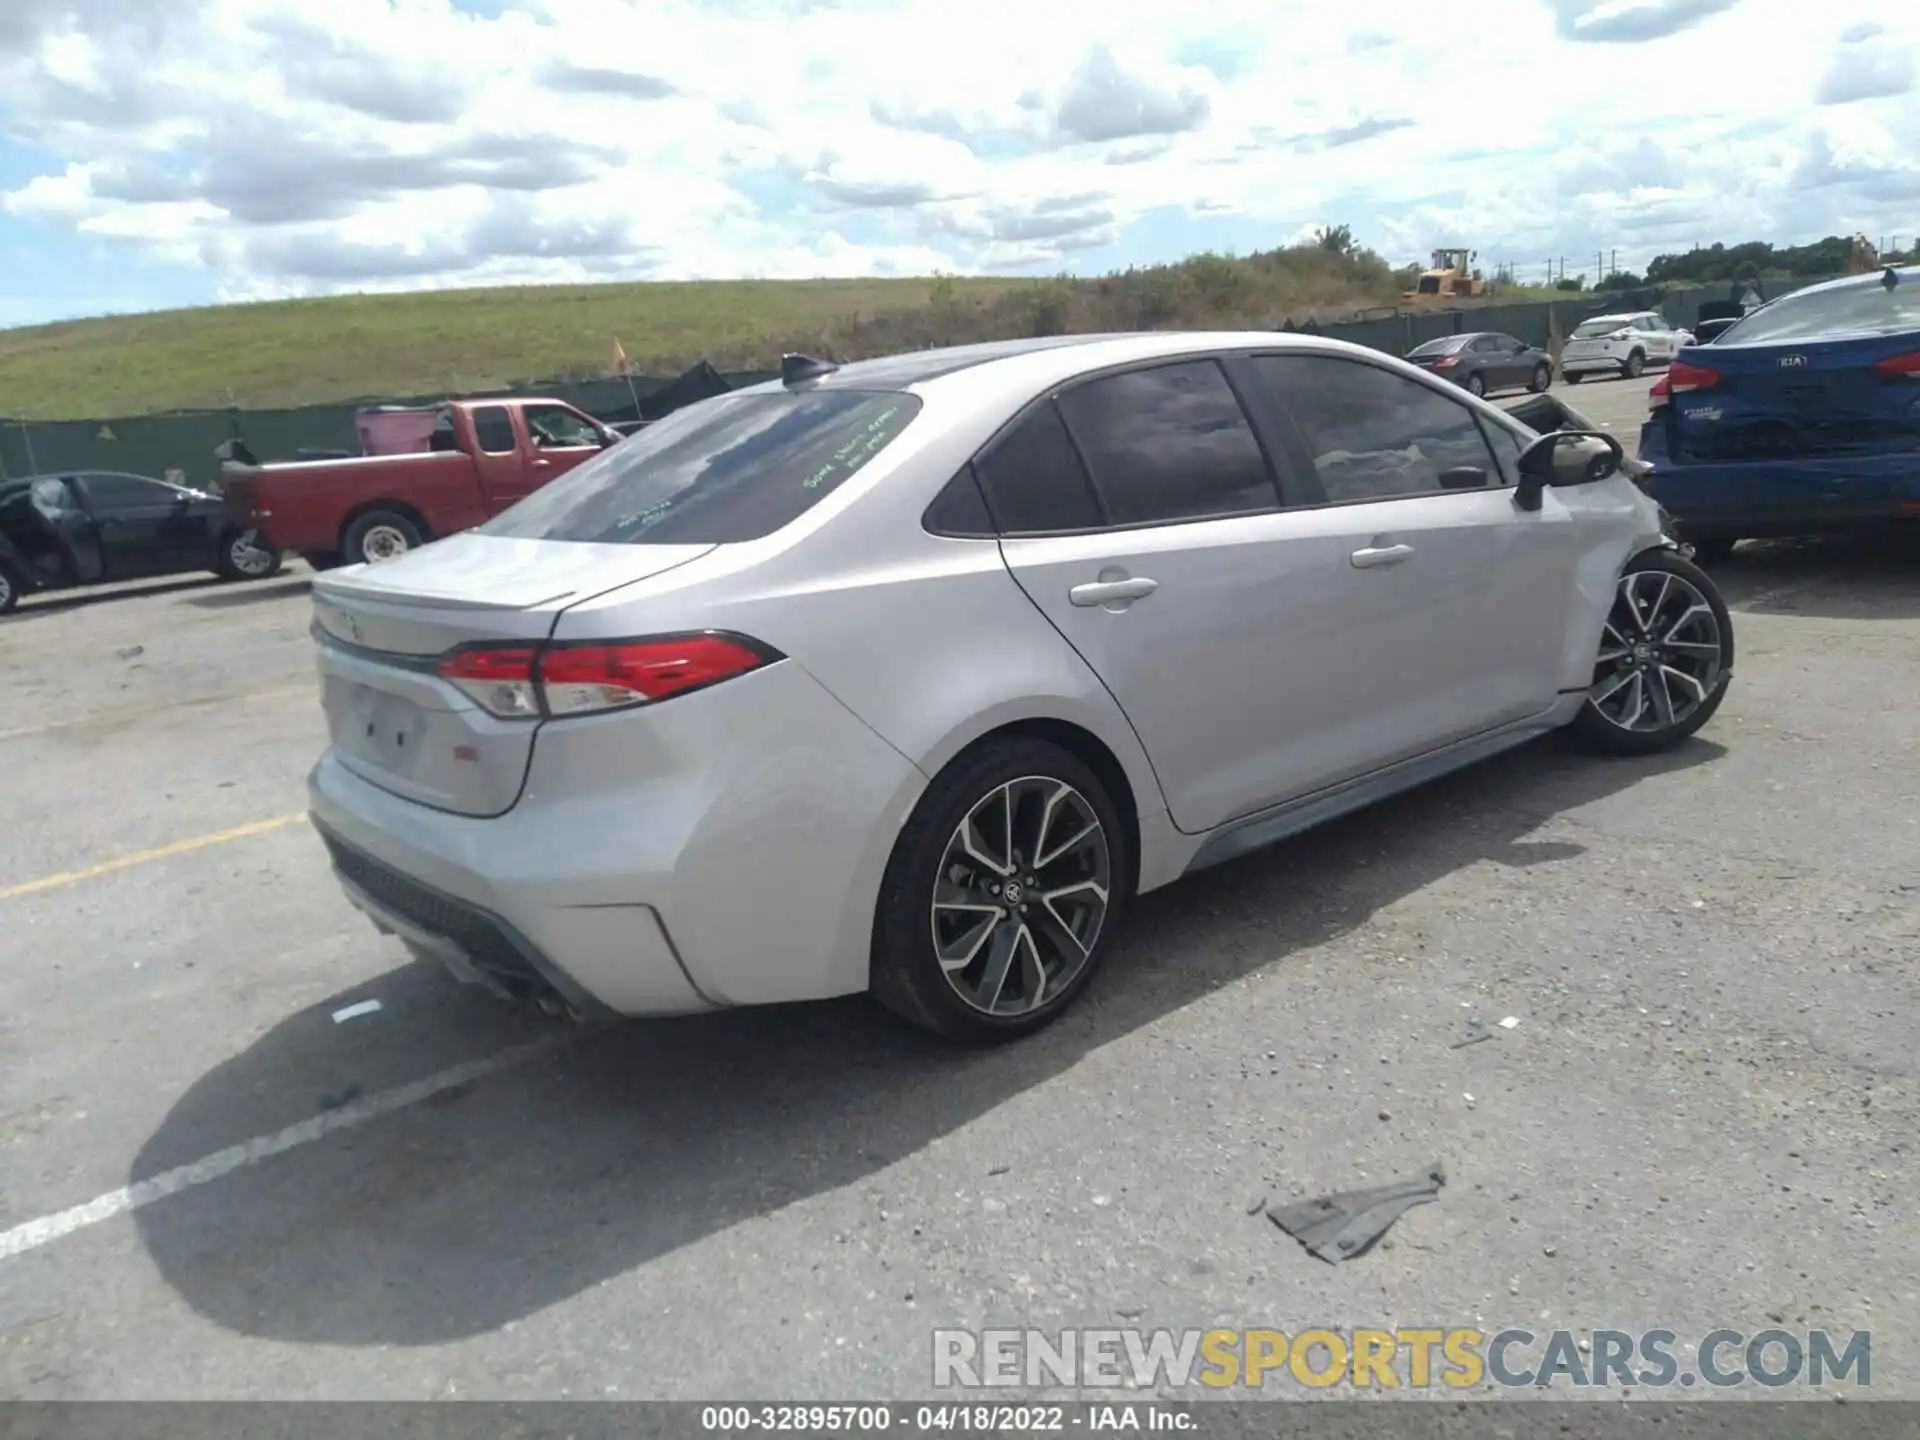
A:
x: 1106, y: 592
x: 1375, y: 556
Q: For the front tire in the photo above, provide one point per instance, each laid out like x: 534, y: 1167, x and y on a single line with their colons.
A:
x: 1572, y: 377
x: 1002, y: 895
x: 1665, y: 661
x: 379, y: 535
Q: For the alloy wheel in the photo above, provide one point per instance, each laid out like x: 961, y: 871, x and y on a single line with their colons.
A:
x: 383, y: 542
x: 1020, y: 895
x: 248, y: 557
x: 1662, y: 653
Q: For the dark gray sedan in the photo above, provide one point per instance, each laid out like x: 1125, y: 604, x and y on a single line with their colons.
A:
x: 1484, y: 361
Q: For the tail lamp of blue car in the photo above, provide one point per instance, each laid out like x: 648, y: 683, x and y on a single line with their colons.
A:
x: 1803, y: 418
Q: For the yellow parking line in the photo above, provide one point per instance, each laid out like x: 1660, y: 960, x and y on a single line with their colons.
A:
x: 141, y: 857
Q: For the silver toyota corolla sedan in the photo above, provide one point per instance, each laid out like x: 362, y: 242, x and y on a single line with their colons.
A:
x: 905, y: 676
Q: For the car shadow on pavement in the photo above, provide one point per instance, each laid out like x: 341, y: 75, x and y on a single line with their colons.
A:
x: 55, y: 602
x: 1853, y: 577
x: 495, y: 1199
x: 253, y: 594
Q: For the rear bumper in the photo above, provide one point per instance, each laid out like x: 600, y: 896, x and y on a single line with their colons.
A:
x: 725, y: 849
x: 1596, y: 363
x: 1753, y: 499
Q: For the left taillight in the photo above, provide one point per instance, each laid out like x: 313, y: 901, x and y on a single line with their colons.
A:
x: 1899, y: 367
x: 519, y: 682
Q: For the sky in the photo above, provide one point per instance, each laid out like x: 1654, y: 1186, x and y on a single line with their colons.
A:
x: 158, y: 153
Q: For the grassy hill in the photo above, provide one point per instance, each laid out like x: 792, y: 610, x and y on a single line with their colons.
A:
x: 349, y: 347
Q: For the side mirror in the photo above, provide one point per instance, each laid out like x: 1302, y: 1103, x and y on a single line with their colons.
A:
x: 1566, y: 457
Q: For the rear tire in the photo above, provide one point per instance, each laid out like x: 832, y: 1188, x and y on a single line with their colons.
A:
x: 1636, y: 365
x: 1015, y: 863
x: 1665, y: 661
x: 1542, y: 378
x: 379, y: 535
x: 239, y: 558
x: 11, y: 588
x: 1476, y: 385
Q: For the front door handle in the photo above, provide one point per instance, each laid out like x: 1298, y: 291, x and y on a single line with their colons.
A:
x: 1107, y: 592
x: 1374, y: 556
x: 543, y: 464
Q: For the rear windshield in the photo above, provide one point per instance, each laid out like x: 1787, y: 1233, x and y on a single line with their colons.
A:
x: 1860, y: 310
x: 737, y: 467
x: 1594, y: 329
x: 1445, y: 346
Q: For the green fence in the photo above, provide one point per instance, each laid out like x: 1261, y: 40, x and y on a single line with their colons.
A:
x: 183, y: 443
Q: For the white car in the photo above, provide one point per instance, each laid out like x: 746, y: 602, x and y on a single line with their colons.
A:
x: 1620, y: 345
x: 907, y: 675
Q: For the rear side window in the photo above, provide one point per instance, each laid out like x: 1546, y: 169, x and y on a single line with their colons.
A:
x: 1170, y: 443
x: 493, y: 428
x: 1869, y: 309
x: 1374, y: 435
x: 730, y: 469
x: 1034, y: 480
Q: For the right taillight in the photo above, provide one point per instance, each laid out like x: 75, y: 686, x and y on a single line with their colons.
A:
x: 1683, y: 377
x: 518, y: 682
x: 1899, y: 367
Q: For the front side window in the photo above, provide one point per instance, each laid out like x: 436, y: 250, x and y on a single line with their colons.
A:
x: 1170, y: 443
x: 1863, y: 309
x: 730, y: 469
x: 128, y: 492
x: 1374, y: 435
x: 558, y: 427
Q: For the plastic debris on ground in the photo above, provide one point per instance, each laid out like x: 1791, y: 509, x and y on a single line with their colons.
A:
x: 1345, y: 1225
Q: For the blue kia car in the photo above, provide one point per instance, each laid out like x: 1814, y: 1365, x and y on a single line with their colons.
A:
x: 1803, y: 417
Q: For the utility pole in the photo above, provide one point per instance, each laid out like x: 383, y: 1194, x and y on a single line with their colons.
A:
x: 1614, y: 268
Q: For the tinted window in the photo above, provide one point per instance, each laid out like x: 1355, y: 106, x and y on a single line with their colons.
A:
x: 1446, y: 345
x: 1594, y: 329
x: 558, y: 426
x: 1868, y: 309
x: 959, y: 509
x: 1170, y: 443
x: 1374, y: 435
x: 493, y: 427
x: 1034, y: 480
x: 1489, y: 344
x: 125, y: 492
x: 729, y: 469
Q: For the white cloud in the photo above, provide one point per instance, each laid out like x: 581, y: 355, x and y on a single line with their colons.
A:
x: 295, y: 146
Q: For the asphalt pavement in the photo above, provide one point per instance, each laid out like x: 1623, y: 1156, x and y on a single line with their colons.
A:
x: 213, y: 1186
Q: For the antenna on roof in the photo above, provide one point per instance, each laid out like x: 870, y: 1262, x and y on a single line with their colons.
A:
x: 1891, y: 278
x: 796, y: 369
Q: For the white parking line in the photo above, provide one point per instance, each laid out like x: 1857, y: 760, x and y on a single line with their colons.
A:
x: 48, y: 1228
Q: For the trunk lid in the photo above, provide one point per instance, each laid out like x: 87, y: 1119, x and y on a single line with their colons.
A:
x: 380, y: 633
x: 1799, y: 399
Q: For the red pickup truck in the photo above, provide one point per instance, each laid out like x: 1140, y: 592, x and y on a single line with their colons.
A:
x: 483, y: 456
